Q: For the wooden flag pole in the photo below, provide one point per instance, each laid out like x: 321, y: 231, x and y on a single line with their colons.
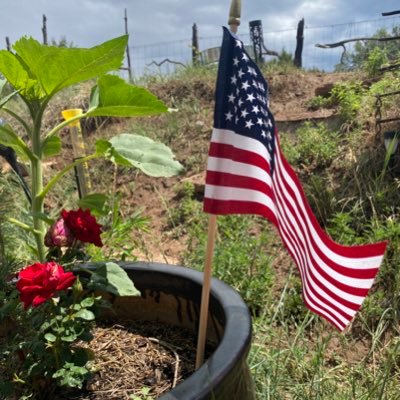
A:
x: 233, y: 22
x: 205, y: 293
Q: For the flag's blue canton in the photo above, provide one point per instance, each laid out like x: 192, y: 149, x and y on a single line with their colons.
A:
x: 242, y: 96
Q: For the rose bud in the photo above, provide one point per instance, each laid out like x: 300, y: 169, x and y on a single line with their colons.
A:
x: 59, y: 235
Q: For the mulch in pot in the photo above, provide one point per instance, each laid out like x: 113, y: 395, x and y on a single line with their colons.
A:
x: 132, y: 355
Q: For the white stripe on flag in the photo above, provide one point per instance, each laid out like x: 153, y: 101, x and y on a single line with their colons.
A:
x: 238, y: 168
x: 232, y: 138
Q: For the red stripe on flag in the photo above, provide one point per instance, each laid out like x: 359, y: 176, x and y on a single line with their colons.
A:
x: 225, y: 207
x: 237, y: 181
x: 221, y: 150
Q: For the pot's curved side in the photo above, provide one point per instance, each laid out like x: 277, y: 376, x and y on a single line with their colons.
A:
x: 172, y: 294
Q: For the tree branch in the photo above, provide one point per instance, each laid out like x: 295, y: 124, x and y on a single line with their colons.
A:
x: 341, y: 43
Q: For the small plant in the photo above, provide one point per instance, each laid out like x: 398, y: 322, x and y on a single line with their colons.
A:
x: 349, y: 97
x: 316, y: 146
x: 318, y: 102
x: 143, y: 395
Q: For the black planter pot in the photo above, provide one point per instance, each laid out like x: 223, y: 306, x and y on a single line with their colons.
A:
x: 172, y: 294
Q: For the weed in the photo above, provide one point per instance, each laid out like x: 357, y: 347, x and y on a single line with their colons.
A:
x: 316, y: 146
x: 349, y: 98
x: 144, y: 394
x: 318, y: 102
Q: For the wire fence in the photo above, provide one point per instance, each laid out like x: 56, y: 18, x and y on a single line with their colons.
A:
x: 165, y: 58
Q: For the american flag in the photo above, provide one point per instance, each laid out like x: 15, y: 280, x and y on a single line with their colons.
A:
x: 248, y: 174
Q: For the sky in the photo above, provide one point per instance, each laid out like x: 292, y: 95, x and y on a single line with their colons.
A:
x: 90, y: 22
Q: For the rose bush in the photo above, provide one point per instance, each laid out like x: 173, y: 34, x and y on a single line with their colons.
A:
x: 43, y: 351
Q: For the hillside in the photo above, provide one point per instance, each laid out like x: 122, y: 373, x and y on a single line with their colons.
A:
x: 192, y: 124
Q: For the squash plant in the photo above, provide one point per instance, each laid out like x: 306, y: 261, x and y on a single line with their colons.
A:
x: 37, y: 73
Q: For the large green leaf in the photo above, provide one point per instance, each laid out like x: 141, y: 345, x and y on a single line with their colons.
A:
x: 154, y: 159
x: 9, y: 138
x: 115, y: 97
x: 114, y: 279
x: 17, y: 73
x: 41, y: 71
x: 104, y: 148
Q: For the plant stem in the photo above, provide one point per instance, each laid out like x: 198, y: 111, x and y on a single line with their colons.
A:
x: 55, y: 178
x: 64, y: 123
x: 21, y: 225
x: 37, y: 179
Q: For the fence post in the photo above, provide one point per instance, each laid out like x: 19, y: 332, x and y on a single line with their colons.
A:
x: 299, y: 44
x: 256, y: 36
x: 8, y: 43
x: 128, y: 56
x: 195, y: 45
x: 44, y: 30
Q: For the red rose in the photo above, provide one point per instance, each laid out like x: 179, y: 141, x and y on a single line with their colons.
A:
x: 39, y: 282
x: 83, y: 226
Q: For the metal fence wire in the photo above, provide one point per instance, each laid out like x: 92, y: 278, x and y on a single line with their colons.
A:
x: 164, y: 58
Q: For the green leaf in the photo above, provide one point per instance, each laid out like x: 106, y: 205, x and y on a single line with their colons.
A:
x: 95, y: 202
x: 2, y: 85
x: 94, y: 98
x: 116, y: 280
x: 85, y: 314
x: 104, y: 148
x: 87, y: 302
x: 154, y: 159
x: 39, y: 71
x: 18, y: 75
x: 55, y: 68
x: 6, y: 99
x: 69, y: 338
x: 51, y: 146
x: 50, y: 337
x: 9, y: 138
x: 116, y: 97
